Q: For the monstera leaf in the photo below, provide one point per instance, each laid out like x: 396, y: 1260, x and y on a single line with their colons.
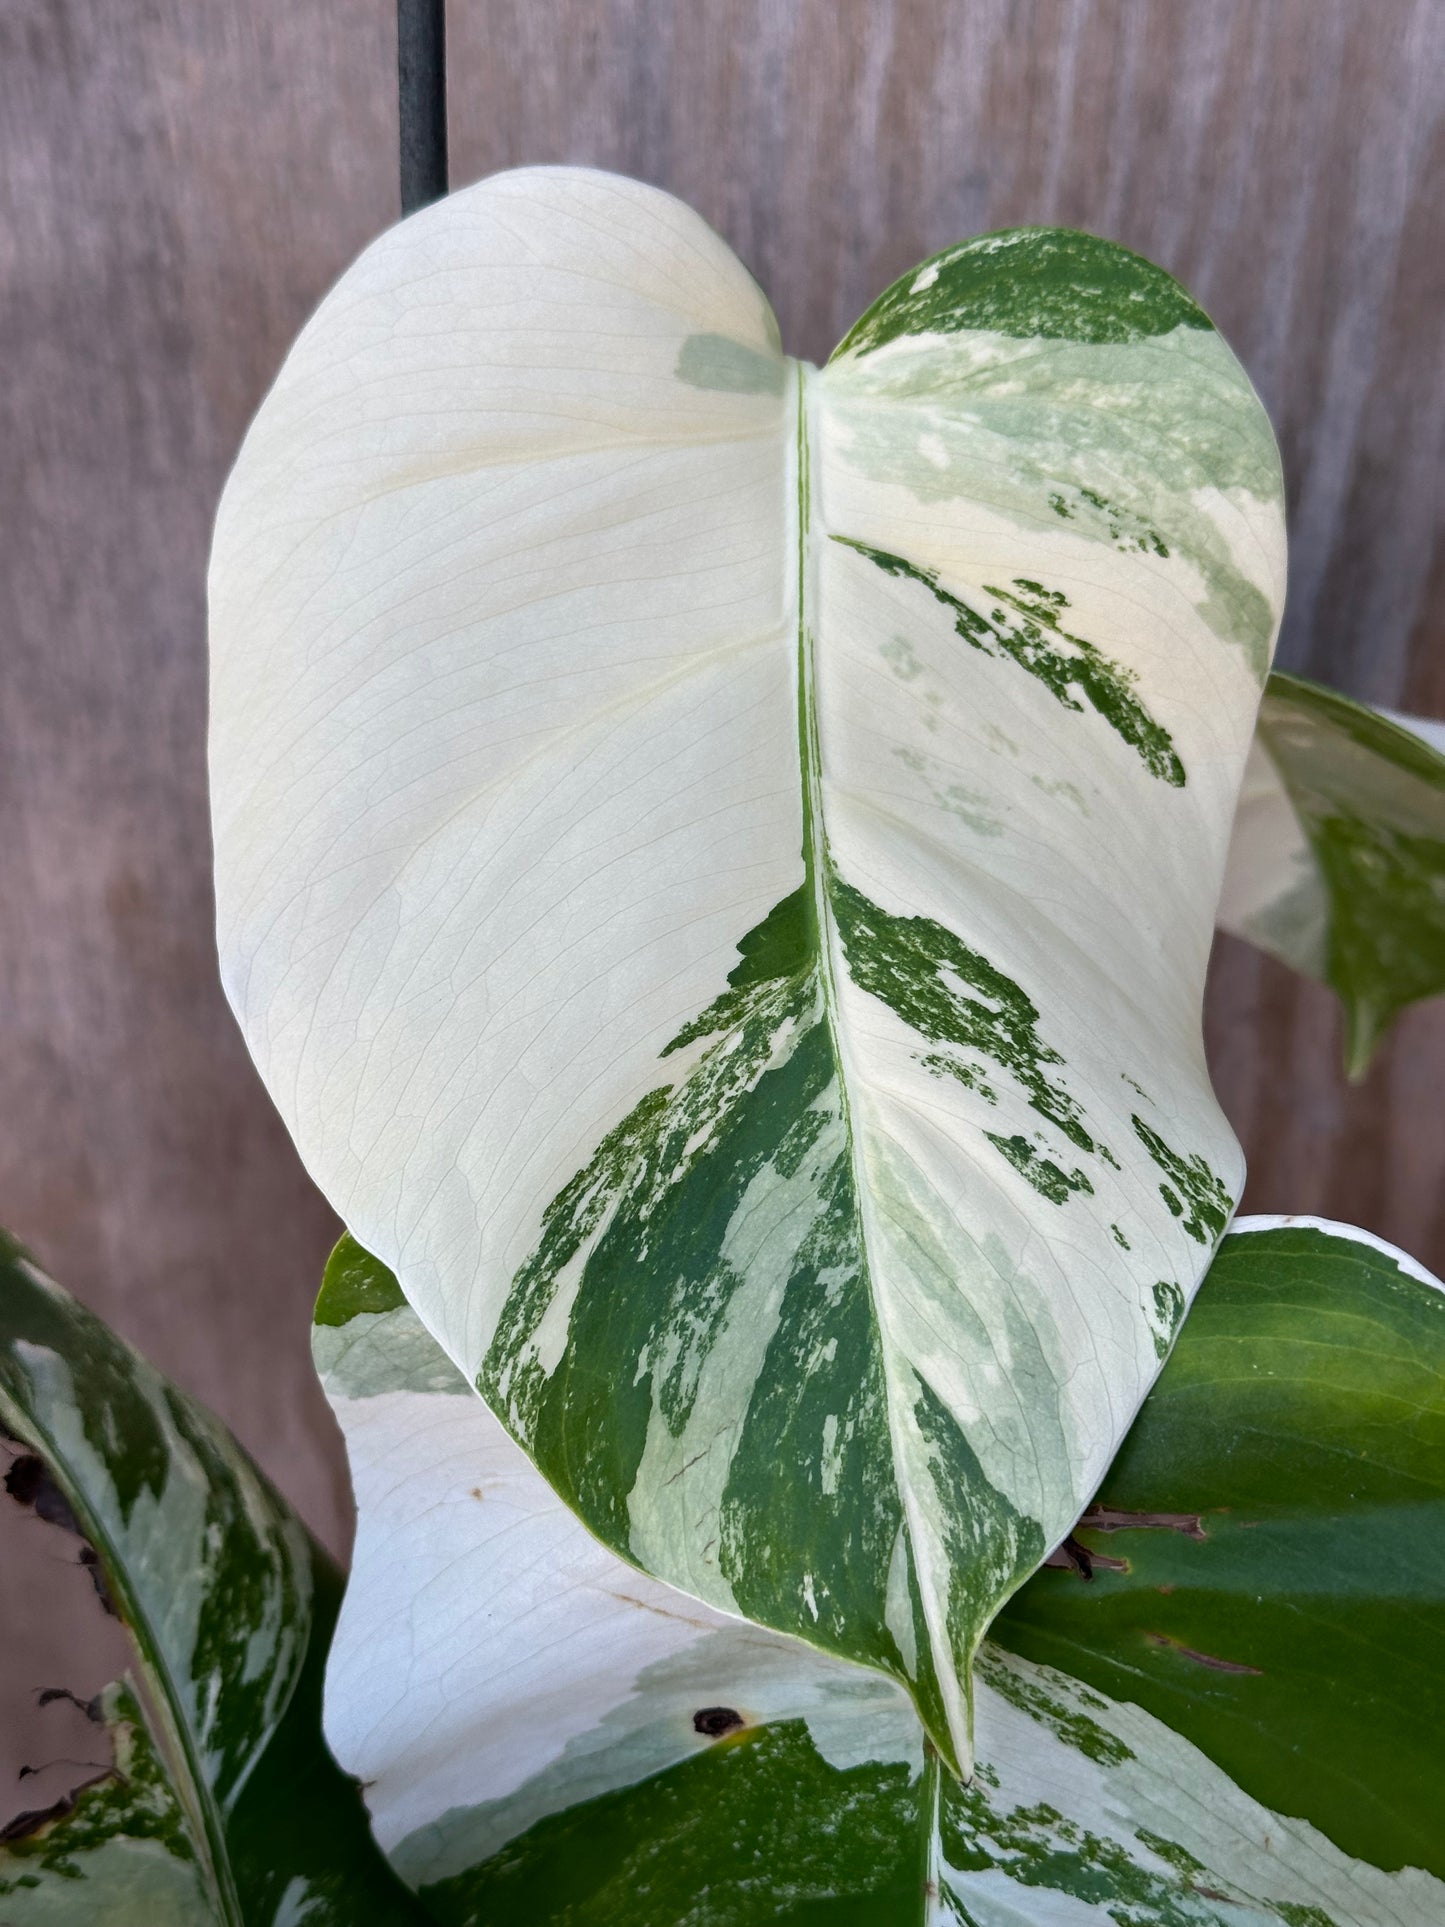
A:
x: 716, y: 864
x: 223, y: 1807
x: 1222, y: 1710
x: 1337, y: 865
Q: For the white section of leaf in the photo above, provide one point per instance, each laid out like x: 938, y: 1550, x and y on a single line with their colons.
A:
x: 502, y: 710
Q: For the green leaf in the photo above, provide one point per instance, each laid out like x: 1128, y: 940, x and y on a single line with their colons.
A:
x: 1337, y: 865
x: 717, y: 859
x: 1285, y: 1610
x: 224, y: 1806
x: 547, y: 1734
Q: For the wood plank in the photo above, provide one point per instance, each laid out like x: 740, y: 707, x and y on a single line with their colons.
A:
x: 179, y: 182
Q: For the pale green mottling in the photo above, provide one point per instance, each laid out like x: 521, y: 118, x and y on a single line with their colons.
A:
x: 1338, y: 860
x: 397, y: 1353
x: 1140, y: 446
x: 713, y: 361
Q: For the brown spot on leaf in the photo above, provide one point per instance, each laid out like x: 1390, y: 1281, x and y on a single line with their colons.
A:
x: 626, y: 1599
x: 715, y: 1722
x: 1072, y: 1557
x: 1109, y: 1518
x: 1203, y: 1659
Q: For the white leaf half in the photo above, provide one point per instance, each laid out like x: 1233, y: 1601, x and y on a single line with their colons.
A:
x: 716, y: 862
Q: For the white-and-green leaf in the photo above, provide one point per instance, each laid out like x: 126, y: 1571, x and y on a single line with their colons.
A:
x: 716, y: 864
x: 1234, y: 1722
x: 223, y: 1808
x: 1337, y: 864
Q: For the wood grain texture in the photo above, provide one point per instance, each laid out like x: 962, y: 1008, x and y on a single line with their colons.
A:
x: 179, y: 181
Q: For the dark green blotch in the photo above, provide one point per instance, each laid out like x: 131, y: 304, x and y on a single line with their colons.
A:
x: 907, y: 963
x: 1050, y: 1180
x: 1024, y: 626
x: 1129, y: 532
x: 518, y: 1391
x: 1169, y: 1310
x: 1193, y: 1192
x: 1170, y: 1850
x: 1037, y: 283
x: 780, y: 946
x: 969, y: 1075
x: 823, y: 1360
x: 354, y: 1283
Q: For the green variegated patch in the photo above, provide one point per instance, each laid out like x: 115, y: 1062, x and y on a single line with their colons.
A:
x: 1338, y: 860
x: 548, y: 1734
x: 709, y: 848
x: 123, y: 1852
x: 1038, y: 284
x: 223, y: 1805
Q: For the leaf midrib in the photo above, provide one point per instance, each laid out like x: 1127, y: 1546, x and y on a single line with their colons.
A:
x: 826, y: 945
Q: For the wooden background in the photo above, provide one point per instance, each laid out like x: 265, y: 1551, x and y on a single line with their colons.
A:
x: 179, y: 182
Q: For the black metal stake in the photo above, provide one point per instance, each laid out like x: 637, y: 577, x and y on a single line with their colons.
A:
x: 421, y: 79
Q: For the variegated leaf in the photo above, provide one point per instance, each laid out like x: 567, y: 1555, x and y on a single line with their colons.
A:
x: 1337, y: 864
x: 224, y: 1808
x: 716, y: 862
x: 547, y: 1734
